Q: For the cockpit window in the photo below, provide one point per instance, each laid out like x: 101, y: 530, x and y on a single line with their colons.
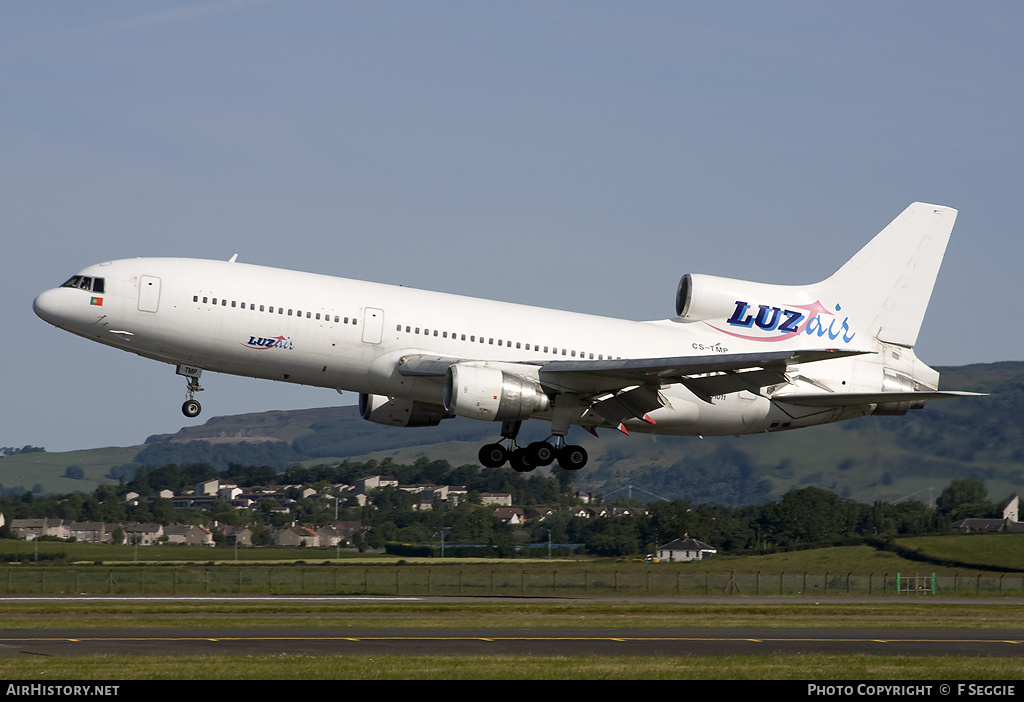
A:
x: 84, y: 282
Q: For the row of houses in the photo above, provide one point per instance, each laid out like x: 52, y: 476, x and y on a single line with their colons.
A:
x: 207, y: 492
x: 284, y: 496
x: 337, y: 533
x: 1009, y: 523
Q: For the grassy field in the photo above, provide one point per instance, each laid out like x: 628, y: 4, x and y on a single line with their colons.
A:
x: 1004, y: 552
x: 491, y: 614
x: 853, y: 571
x: 575, y: 668
x: 49, y: 567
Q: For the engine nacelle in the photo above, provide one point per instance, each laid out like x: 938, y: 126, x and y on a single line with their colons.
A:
x: 400, y: 413
x: 897, y: 409
x: 895, y: 381
x: 491, y: 394
x: 708, y: 297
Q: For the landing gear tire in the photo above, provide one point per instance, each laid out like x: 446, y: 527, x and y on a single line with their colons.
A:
x: 191, y: 408
x: 493, y: 456
x: 572, y: 457
x: 541, y: 453
x: 520, y: 461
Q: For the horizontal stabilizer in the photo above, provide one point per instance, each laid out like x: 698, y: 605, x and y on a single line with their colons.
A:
x: 854, y: 399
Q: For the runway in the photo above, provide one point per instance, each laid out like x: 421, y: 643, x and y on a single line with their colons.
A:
x: 532, y: 642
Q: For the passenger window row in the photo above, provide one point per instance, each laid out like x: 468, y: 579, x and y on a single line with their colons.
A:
x: 472, y: 338
x: 271, y: 309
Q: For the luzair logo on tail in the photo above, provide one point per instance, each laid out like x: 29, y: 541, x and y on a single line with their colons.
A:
x: 774, y: 323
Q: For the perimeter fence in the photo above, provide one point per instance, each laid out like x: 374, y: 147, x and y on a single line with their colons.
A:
x: 481, y: 581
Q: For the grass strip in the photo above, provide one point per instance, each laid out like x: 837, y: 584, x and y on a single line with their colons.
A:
x: 306, y: 667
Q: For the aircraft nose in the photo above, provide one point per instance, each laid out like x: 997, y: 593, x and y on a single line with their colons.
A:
x: 49, y: 306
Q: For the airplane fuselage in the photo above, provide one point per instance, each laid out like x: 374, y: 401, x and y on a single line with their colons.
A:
x: 350, y: 335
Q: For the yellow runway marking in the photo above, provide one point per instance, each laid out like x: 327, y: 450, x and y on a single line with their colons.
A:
x: 83, y: 639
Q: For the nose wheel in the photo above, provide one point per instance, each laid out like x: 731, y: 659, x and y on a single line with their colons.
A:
x: 191, y: 407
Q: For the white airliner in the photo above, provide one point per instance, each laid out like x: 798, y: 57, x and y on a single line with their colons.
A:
x: 739, y: 357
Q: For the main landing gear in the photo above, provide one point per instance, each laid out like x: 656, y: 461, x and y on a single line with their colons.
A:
x: 537, y: 454
x: 191, y: 407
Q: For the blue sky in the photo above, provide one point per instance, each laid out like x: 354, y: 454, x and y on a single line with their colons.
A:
x: 581, y: 155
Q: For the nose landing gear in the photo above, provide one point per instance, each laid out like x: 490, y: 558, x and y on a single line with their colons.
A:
x: 191, y: 407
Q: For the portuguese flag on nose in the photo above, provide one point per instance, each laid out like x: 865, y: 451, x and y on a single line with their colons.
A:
x: 98, y: 301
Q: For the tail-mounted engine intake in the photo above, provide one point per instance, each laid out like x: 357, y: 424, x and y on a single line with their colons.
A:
x: 398, y: 412
x: 491, y: 394
x: 706, y: 297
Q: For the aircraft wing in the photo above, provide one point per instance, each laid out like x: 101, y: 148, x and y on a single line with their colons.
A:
x: 706, y: 376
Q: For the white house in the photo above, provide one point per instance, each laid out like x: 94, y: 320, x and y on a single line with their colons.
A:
x: 685, y: 549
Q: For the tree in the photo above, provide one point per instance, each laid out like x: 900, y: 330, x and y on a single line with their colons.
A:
x: 965, y: 497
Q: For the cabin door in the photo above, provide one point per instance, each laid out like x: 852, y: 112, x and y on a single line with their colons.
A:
x: 149, y: 293
x: 373, y: 325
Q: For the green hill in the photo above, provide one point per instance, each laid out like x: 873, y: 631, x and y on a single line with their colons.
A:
x: 874, y: 458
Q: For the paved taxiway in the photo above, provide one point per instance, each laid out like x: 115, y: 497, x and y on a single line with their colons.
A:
x: 352, y: 640
x: 534, y: 642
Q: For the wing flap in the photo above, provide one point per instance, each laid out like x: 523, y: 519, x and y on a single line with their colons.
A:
x: 629, y: 404
x: 706, y: 387
x: 673, y: 367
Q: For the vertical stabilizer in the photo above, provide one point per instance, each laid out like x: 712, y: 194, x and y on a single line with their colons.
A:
x: 890, y: 280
